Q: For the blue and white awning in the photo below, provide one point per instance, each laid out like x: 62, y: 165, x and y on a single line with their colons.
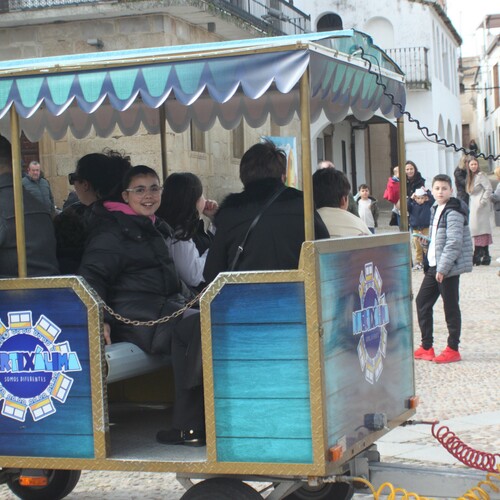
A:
x: 224, y: 81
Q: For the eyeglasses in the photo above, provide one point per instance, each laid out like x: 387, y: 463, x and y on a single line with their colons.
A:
x: 142, y: 190
x: 72, y: 178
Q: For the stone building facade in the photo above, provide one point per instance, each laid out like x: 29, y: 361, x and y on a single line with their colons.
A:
x: 128, y: 25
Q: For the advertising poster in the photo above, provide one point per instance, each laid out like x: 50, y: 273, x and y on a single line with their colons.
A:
x: 289, y: 145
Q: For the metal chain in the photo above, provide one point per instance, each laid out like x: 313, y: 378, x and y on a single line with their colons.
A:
x: 135, y: 322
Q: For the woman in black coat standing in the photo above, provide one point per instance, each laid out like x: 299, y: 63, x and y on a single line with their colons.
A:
x: 414, y: 179
x: 460, y: 175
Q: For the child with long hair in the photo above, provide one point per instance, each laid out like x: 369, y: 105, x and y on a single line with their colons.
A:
x: 182, y: 206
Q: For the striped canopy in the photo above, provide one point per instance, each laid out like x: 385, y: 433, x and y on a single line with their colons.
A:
x: 224, y: 81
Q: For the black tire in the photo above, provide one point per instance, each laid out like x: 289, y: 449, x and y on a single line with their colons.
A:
x: 327, y: 491
x: 61, y: 484
x: 221, y: 488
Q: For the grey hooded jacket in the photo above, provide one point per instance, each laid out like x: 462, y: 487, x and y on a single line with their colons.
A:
x: 453, y: 239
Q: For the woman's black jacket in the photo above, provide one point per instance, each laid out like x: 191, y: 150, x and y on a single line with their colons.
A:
x: 127, y: 263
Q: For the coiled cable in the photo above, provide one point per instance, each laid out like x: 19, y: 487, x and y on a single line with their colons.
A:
x: 432, y: 136
x: 488, y: 462
x: 388, y: 491
x: 475, y: 459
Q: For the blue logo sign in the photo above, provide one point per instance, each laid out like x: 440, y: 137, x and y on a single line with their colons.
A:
x: 33, y: 367
x: 369, y: 323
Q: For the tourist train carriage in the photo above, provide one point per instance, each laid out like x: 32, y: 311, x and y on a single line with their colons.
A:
x: 303, y: 369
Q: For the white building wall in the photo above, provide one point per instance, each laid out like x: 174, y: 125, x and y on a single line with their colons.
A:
x: 489, y: 123
x: 406, y: 24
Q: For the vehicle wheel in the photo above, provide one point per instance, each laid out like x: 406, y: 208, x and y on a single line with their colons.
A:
x: 61, y: 484
x: 221, y: 488
x: 327, y: 491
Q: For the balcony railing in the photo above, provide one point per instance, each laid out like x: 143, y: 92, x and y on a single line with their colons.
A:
x: 414, y: 63
x: 274, y: 17
x: 278, y: 16
x: 13, y: 5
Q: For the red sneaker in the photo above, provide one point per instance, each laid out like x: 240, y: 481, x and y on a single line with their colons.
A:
x: 425, y: 354
x: 449, y: 355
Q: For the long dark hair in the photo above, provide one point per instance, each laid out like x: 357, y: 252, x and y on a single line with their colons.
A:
x: 104, y: 171
x: 181, y: 191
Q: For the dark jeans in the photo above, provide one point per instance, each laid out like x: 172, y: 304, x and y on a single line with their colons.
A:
x: 429, y: 292
x: 186, y: 361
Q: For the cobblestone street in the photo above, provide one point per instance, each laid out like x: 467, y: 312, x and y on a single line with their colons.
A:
x: 447, y: 392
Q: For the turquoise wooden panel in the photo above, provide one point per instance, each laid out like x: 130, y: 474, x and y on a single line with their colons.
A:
x: 264, y: 418
x: 65, y: 428
x: 288, y: 341
x: 261, y: 379
x: 261, y: 373
x: 351, y: 390
x: 263, y: 303
x: 53, y: 446
x: 264, y: 450
x: 46, y: 426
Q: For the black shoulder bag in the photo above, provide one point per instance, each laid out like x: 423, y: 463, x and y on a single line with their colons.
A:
x: 241, y: 246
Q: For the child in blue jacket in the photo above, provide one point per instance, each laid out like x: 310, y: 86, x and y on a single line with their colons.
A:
x: 419, y: 211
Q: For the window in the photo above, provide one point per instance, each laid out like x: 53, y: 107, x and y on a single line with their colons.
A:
x: 197, y: 139
x: 329, y: 22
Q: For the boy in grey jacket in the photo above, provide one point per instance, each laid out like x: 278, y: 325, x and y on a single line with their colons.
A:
x: 449, y: 254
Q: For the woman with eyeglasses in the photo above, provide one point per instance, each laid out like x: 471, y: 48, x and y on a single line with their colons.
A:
x: 126, y: 259
x: 95, y: 177
x: 182, y: 205
x: 127, y: 262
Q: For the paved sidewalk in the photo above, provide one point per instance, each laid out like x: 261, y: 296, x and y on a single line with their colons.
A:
x: 463, y: 396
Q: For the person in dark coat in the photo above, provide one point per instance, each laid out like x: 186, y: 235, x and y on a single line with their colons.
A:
x: 127, y: 263
x: 38, y: 186
x: 126, y: 260
x: 274, y: 243
x: 39, y: 231
x: 96, y: 177
x: 460, y: 175
x: 276, y: 240
x: 414, y: 179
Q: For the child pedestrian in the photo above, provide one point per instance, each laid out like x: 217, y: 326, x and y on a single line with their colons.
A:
x: 419, y: 211
x: 449, y: 254
x: 391, y: 194
x: 367, y: 207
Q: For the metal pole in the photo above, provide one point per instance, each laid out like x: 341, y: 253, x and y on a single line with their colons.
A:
x: 305, y: 137
x: 18, y: 193
x: 163, y: 142
x: 403, y: 208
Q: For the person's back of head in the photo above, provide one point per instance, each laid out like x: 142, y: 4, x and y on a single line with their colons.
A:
x: 181, y: 192
x: 5, y: 155
x: 105, y: 172
x: 331, y: 188
x: 262, y: 161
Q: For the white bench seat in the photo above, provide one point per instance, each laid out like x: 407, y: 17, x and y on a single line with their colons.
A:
x: 126, y: 360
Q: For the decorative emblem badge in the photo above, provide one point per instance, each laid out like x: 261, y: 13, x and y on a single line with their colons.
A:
x: 369, y: 322
x: 33, y: 366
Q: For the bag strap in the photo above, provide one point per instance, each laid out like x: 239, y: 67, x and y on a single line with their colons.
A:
x: 241, y: 246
